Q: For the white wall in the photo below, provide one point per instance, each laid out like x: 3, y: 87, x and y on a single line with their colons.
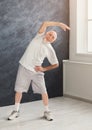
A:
x: 77, y: 79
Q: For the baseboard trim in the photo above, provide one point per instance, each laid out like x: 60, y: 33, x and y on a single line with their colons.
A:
x: 78, y: 98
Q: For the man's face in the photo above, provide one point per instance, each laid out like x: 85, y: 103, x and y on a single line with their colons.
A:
x: 51, y: 36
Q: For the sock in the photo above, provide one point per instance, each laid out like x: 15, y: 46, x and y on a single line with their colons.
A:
x: 47, y: 108
x: 17, y: 105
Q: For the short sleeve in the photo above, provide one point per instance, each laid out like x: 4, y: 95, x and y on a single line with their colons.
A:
x: 51, y: 56
x: 39, y: 35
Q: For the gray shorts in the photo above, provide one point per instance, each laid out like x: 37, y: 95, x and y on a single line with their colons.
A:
x: 26, y: 77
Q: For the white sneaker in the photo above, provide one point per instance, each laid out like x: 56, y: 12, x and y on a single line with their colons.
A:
x: 48, y: 115
x: 13, y: 115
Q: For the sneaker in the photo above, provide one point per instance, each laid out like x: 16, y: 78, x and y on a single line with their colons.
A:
x: 13, y: 115
x: 48, y: 116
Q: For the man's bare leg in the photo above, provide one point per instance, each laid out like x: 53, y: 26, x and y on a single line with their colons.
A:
x: 15, y: 112
x: 18, y: 97
x: 47, y: 113
x: 45, y: 101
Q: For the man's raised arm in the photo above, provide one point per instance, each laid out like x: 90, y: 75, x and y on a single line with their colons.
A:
x: 51, y: 23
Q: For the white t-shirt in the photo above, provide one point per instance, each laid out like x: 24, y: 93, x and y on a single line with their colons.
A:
x: 36, y: 52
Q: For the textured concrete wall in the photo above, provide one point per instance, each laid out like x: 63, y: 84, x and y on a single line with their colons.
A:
x: 19, y: 22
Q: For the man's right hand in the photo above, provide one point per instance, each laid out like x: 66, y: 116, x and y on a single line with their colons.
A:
x: 64, y: 27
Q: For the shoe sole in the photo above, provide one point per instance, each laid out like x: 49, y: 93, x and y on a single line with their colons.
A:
x: 12, y: 119
x: 47, y: 118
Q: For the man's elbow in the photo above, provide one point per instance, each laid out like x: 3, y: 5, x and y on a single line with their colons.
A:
x: 57, y: 65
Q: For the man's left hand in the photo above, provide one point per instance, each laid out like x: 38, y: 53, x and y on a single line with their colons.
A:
x: 39, y: 68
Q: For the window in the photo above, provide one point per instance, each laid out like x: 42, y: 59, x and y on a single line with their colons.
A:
x: 84, y: 27
x: 81, y: 31
x: 90, y: 26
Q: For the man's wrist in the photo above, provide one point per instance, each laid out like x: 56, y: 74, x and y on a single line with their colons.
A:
x: 44, y: 69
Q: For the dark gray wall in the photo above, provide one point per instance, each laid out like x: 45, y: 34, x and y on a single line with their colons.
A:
x: 19, y: 22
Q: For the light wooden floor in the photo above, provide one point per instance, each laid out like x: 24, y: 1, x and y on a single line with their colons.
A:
x: 69, y: 114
